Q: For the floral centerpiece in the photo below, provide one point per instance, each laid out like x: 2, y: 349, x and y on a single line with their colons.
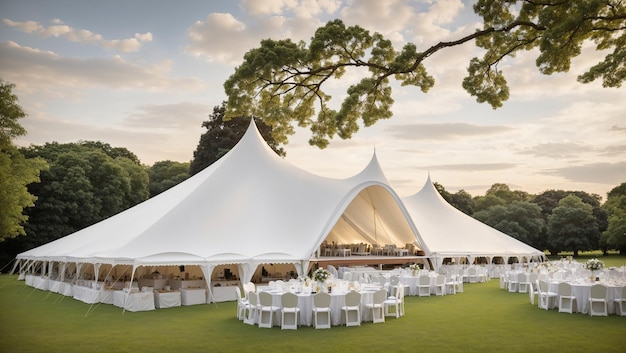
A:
x: 415, y: 269
x: 594, y: 265
x: 321, y: 275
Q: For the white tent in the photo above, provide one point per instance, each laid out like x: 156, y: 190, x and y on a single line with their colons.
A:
x: 448, y: 232
x: 248, y: 208
x: 251, y: 207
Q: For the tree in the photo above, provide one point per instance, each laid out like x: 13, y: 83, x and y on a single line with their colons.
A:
x: 16, y: 172
x: 549, y: 200
x: 572, y: 226
x: 520, y: 219
x: 615, y: 235
x: 165, y: 174
x: 461, y: 200
x: 222, y: 135
x: 83, y: 185
x: 284, y: 82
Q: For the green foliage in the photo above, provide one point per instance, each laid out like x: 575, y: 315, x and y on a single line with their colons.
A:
x: 520, y: 219
x: 572, y: 226
x: 82, y: 186
x: 284, y: 82
x: 615, y: 235
x: 165, y: 174
x: 223, y: 134
x: 16, y: 172
x: 461, y: 200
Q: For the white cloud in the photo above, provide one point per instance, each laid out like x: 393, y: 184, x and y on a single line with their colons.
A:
x: 61, y: 30
x: 45, y: 71
x: 443, y: 131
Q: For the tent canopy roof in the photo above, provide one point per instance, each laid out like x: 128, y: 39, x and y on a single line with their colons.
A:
x: 251, y: 206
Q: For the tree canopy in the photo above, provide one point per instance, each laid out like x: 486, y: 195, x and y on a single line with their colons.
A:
x: 165, y: 174
x: 16, y: 172
x: 283, y: 82
x: 572, y: 226
x: 83, y: 186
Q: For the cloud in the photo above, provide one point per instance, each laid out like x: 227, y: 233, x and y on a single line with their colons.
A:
x: 46, y: 72
x: 618, y: 128
x: 472, y: 167
x: 601, y: 173
x: 60, y: 30
x: 443, y: 131
x: 178, y: 116
x: 557, y: 150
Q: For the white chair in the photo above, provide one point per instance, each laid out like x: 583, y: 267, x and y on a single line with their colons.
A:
x: 547, y: 299
x: 459, y: 283
x: 289, y: 311
x: 396, y: 302
x: 423, y: 288
x: 503, y: 281
x: 266, y: 310
x: 252, y: 309
x: 566, y: 299
x: 532, y: 292
x: 377, y: 307
x: 321, y: 310
x: 620, y: 303
x: 440, y: 285
x: 352, y: 309
x: 471, y: 274
x: 522, y: 283
x: 597, y: 301
x: 241, y: 304
x: 513, y: 282
x: 451, y: 285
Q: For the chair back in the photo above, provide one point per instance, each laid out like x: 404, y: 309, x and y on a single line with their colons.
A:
x: 441, y: 279
x: 394, y: 280
x: 598, y: 291
x: 565, y: 289
x: 253, y: 299
x: 543, y: 286
x: 521, y: 278
x: 238, y: 293
x: 322, y: 300
x: 289, y: 300
x: 380, y: 296
x: 424, y: 280
x: 353, y: 298
x: 265, y: 299
x: 623, y: 292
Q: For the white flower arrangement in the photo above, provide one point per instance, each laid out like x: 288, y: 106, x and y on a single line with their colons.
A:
x: 415, y: 269
x: 594, y: 265
x: 321, y: 275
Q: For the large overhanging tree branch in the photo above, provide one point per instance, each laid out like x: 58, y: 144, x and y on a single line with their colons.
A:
x: 283, y: 82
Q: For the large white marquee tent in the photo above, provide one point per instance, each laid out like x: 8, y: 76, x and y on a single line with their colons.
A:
x: 252, y: 207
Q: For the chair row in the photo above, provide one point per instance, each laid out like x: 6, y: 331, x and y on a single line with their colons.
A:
x: 258, y: 308
x: 565, y: 301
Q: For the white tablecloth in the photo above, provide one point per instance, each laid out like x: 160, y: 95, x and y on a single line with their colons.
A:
x: 337, y: 300
x: 224, y: 293
x: 167, y: 299
x: 140, y: 301
x: 193, y: 296
x: 582, y: 292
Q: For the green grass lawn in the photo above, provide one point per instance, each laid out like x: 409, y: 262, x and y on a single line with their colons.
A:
x: 482, y: 319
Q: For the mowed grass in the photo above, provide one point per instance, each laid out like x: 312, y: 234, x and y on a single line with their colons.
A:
x: 482, y: 319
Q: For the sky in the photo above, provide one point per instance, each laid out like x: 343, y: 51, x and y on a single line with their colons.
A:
x: 144, y: 75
